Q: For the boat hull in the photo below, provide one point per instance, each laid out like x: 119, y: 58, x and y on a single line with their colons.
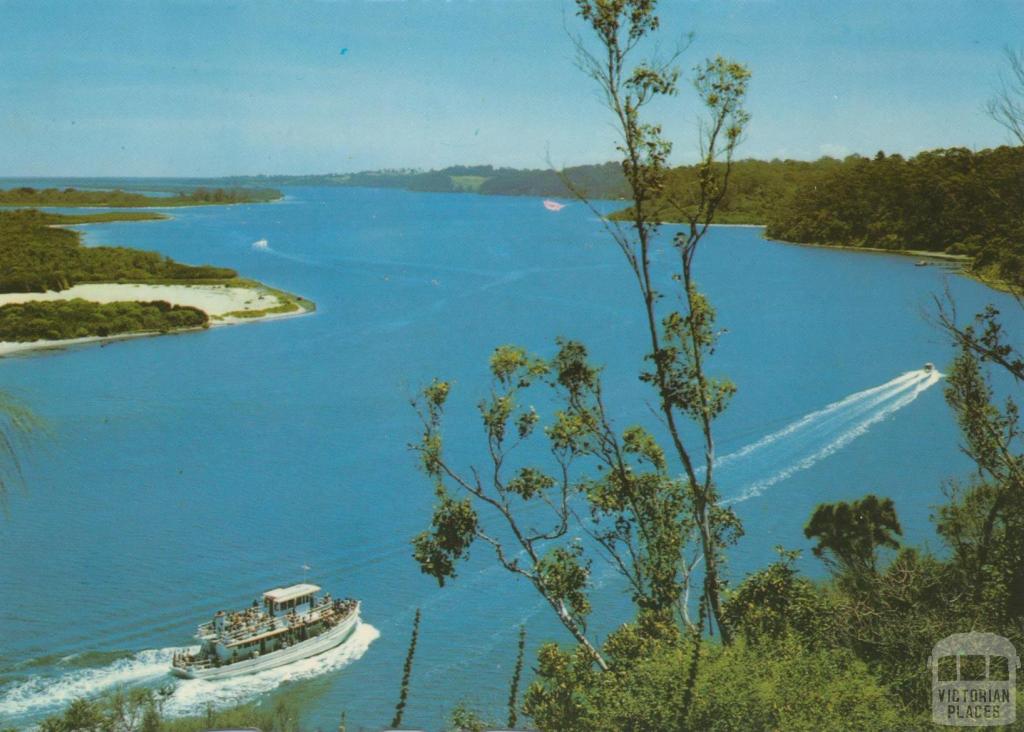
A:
x: 306, y: 649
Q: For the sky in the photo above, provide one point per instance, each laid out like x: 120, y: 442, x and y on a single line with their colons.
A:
x: 210, y: 88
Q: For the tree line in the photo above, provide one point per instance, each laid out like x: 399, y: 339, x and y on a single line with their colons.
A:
x: 28, y: 196
x: 37, y: 255
x: 60, y: 319
x: 955, y: 201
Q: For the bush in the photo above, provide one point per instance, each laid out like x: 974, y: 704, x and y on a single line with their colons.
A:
x: 60, y: 319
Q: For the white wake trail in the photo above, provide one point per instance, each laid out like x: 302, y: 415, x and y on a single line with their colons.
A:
x: 41, y: 693
x: 193, y: 696
x: 861, y: 399
x: 45, y: 694
x: 848, y: 419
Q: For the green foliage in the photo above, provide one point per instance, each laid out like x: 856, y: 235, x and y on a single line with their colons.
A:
x: 984, y: 522
x: 778, y: 684
x: 141, y: 710
x: 565, y: 574
x: 953, y: 200
x: 776, y: 601
x: 39, y: 256
x: 403, y: 693
x: 464, y: 718
x: 849, y: 535
x: 454, y: 527
x: 783, y: 685
x: 60, y: 319
x: 18, y: 424
x: 513, y: 690
x: 26, y: 196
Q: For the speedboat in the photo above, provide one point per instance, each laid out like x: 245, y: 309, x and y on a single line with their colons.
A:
x: 292, y: 623
x: 929, y: 366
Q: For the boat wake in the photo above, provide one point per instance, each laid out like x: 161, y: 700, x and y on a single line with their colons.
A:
x: 812, y: 438
x: 194, y: 695
x: 42, y: 695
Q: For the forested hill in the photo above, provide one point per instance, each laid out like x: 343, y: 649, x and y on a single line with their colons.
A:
x: 756, y: 188
x: 954, y: 201
x: 756, y: 185
x: 603, y: 181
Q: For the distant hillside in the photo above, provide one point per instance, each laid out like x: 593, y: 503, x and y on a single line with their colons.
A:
x: 953, y: 201
x: 596, y: 181
x: 756, y: 186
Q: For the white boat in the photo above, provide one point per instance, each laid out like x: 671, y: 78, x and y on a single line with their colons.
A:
x: 293, y: 623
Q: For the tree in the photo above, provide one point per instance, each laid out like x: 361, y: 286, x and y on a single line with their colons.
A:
x: 635, y: 509
x: 17, y: 423
x: 680, y: 341
x: 850, y: 534
x: 984, y: 522
x: 403, y: 693
x: 513, y: 691
x: 1007, y: 106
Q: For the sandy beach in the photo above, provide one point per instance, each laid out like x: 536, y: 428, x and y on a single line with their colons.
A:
x: 226, y: 305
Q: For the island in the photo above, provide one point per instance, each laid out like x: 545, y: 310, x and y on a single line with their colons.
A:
x: 56, y: 292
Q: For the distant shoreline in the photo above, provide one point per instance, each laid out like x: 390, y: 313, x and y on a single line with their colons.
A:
x: 961, y: 262
x: 919, y: 253
x: 216, y: 296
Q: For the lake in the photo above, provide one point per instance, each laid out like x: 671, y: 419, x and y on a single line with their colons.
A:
x: 189, y: 473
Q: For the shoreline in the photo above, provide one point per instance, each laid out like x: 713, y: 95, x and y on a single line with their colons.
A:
x: 958, y: 263
x: 919, y: 253
x: 229, y: 312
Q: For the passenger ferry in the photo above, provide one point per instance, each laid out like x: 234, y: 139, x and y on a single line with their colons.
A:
x: 293, y: 623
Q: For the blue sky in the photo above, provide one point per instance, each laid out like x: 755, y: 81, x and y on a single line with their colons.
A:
x: 217, y: 88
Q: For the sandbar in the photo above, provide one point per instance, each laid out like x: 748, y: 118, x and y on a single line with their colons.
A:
x: 224, y: 304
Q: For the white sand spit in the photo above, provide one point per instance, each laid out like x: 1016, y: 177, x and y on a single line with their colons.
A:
x: 215, y: 300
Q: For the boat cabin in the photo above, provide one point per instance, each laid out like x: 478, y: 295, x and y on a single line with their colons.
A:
x: 284, y: 599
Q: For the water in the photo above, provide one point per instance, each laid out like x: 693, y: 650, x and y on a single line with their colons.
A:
x: 189, y: 473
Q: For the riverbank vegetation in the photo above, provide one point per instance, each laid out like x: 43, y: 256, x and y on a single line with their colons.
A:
x: 953, y: 201
x: 142, y: 710
x: 38, y: 255
x: 27, y: 196
x: 61, y: 319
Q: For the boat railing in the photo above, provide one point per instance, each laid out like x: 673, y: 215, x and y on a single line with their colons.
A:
x: 244, y: 627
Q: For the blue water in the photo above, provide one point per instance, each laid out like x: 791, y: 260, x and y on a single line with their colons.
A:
x: 188, y: 473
